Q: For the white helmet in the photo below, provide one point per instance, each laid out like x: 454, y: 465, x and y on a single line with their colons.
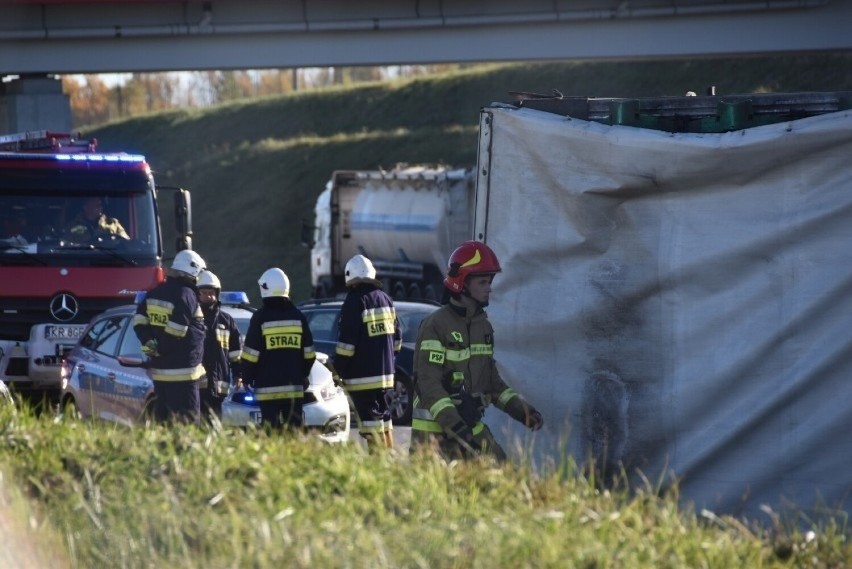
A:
x: 360, y: 269
x: 274, y: 282
x: 208, y: 280
x: 189, y: 262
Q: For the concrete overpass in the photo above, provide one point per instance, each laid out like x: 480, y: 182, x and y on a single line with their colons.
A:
x: 45, y: 37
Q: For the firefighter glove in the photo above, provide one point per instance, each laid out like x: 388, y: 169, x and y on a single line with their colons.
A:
x: 149, y: 348
x: 535, y: 421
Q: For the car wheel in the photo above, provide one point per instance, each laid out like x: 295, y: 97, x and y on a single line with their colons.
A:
x: 399, y: 399
x: 70, y: 410
x: 146, y: 418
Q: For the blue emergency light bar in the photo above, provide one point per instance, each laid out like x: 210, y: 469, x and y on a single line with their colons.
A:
x: 82, y: 157
x: 233, y: 298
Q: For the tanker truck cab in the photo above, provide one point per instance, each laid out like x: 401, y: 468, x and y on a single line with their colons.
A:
x: 80, y: 233
x: 317, y: 238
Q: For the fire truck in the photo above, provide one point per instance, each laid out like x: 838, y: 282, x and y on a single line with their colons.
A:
x: 79, y: 232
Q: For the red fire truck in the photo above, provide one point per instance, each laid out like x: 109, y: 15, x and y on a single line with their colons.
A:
x: 56, y: 272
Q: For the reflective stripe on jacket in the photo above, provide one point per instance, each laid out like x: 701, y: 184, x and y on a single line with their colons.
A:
x: 369, y: 337
x: 171, y: 315
x: 279, y: 351
x: 455, y: 374
x: 221, y: 349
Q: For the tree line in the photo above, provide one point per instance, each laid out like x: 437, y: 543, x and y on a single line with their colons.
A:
x: 94, y: 101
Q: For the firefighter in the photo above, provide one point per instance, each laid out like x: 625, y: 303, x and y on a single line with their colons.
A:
x: 455, y: 374
x: 221, y: 346
x: 170, y: 325
x: 369, y: 337
x: 278, y: 353
x: 92, y: 224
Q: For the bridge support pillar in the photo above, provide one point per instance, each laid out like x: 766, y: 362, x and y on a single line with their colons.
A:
x: 34, y: 102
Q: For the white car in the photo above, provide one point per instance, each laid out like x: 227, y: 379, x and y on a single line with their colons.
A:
x: 104, y: 378
x: 326, y: 405
x: 325, y: 408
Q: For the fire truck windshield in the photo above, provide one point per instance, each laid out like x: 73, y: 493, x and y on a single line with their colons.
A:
x: 80, y: 227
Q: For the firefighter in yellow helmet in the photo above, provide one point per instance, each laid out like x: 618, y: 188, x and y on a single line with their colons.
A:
x: 455, y: 375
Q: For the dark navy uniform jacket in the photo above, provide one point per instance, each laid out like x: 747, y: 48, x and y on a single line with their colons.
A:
x: 221, y: 349
x: 369, y: 336
x: 172, y: 315
x: 278, y: 352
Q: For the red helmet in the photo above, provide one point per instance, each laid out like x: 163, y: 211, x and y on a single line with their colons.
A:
x: 470, y: 258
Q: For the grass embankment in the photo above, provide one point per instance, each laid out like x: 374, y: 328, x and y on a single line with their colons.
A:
x: 255, y: 167
x: 187, y: 497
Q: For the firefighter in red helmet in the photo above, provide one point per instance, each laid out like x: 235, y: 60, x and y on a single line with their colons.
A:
x: 455, y: 375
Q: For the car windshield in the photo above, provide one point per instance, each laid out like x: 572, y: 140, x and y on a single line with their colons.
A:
x: 410, y: 321
x: 242, y: 324
x: 323, y: 320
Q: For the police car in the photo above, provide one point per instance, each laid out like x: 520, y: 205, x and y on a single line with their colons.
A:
x: 104, y: 377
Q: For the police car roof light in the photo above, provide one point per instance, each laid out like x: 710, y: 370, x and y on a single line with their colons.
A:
x: 233, y: 298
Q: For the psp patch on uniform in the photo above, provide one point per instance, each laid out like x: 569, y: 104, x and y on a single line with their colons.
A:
x: 436, y: 357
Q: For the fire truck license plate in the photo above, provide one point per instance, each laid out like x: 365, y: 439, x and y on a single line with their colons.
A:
x: 69, y: 332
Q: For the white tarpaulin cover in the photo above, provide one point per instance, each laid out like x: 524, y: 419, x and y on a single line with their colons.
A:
x: 678, y: 303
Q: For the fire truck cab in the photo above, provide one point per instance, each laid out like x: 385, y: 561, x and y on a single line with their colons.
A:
x: 79, y: 232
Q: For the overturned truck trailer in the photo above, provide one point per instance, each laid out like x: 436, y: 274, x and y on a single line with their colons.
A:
x: 677, y: 288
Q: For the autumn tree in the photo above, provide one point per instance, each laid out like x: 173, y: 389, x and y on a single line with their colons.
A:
x: 89, y: 99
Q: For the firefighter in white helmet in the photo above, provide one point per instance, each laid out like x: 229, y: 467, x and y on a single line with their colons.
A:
x: 369, y: 337
x: 278, y: 353
x: 221, y: 346
x: 455, y: 374
x: 170, y: 325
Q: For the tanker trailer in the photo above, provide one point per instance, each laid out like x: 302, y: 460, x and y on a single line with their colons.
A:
x: 406, y: 221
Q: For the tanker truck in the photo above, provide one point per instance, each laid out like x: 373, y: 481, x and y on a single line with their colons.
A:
x: 406, y: 220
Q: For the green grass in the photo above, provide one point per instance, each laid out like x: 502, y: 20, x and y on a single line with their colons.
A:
x: 191, y: 497
x: 255, y: 167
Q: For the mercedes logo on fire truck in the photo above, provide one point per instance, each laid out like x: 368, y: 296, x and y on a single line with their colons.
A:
x: 64, y: 307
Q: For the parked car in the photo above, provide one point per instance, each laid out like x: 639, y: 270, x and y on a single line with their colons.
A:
x: 240, y: 407
x: 323, y: 317
x: 104, y: 378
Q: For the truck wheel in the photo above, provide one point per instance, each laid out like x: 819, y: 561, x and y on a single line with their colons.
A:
x: 414, y: 291
x: 398, y: 291
x: 322, y: 291
x: 429, y: 293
